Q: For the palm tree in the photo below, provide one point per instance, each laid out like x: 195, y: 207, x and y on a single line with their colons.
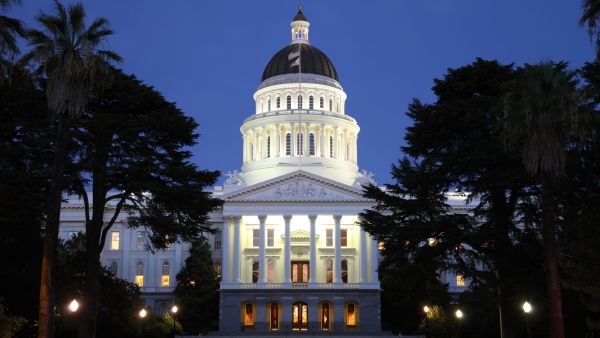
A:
x: 541, y: 114
x: 589, y: 17
x: 68, y: 54
x: 9, y: 30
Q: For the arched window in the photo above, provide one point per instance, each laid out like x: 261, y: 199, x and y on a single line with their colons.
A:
x: 311, y: 102
x: 139, y: 274
x: 274, y: 316
x: 299, y: 101
x: 344, y: 271
x: 248, y: 309
x: 300, y: 317
x: 311, y: 144
x: 329, y: 271
x: 113, y: 268
x: 289, y: 102
x: 269, y: 105
x: 278, y: 102
x: 325, y: 317
x: 330, y: 105
x: 351, y: 314
x: 255, y: 269
x: 288, y: 144
x: 321, y: 102
x: 269, y: 146
x: 299, y: 144
x: 331, y: 146
x: 164, y: 278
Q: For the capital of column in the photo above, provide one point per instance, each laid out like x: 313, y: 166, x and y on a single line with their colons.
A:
x: 337, y: 218
x: 262, y: 218
x: 287, y: 218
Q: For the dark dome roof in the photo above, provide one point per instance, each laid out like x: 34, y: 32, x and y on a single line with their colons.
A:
x: 313, y: 62
x: 300, y: 16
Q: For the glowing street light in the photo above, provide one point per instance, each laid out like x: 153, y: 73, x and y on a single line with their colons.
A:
x: 143, y: 313
x: 459, y: 314
x: 426, y: 309
x: 74, y: 305
x: 527, y: 308
x: 174, y: 309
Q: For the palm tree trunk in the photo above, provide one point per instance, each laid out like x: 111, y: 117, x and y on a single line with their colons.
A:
x: 551, y: 258
x: 47, y: 306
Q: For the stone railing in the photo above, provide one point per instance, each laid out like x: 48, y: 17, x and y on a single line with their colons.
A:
x: 299, y: 285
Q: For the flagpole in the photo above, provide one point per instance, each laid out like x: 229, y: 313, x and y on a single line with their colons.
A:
x: 300, y: 108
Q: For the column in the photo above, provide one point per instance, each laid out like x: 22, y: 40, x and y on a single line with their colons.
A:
x: 322, y: 142
x: 305, y: 139
x: 236, y: 248
x: 337, y: 277
x: 313, y: 249
x: 374, y: 260
x: 277, y: 141
x: 287, y: 252
x: 363, y: 257
x: 225, y: 246
x: 335, y: 142
x: 262, y: 276
x: 255, y: 145
x: 293, y: 143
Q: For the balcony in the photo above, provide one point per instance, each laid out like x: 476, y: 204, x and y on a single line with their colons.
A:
x: 279, y: 286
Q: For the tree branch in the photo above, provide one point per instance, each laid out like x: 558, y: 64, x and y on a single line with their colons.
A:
x: 110, y: 223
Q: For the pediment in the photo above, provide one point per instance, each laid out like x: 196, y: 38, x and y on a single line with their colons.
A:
x: 298, y: 186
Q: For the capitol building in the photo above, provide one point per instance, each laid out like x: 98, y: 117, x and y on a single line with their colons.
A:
x: 288, y: 245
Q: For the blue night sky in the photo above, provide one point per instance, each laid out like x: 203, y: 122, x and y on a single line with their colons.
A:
x: 208, y: 56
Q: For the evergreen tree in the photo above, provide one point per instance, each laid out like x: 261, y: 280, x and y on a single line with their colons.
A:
x: 197, y: 290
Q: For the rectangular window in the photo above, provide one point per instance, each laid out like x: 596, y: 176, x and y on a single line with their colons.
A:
x: 255, y: 271
x: 114, y: 240
x: 141, y: 240
x: 255, y: 237
x: 320, y: 102
x: 278, y: 102
x: 329, y: 271
x: 299, y: 144
x: 271, y: 272
x: 460, y: 280
x: 164, y: 280
x: 288, y: 144
x: 311, y: 144
x: 217, y: 240
x: 218, y: 269
x: 289, y: 102
x: 311, y: 102
x: 331, y: 146
x: 268, y: 146
x: 344, y: 237
x: 139, y: 280
x: 271, y: 237
x: 328, y: 237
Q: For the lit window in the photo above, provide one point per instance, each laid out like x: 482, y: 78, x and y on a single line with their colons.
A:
x: 255, y: 237
x: 270, y: 237
x: 114, y: 242
x: 331, y: 146
x: 351, y: 314
x: 164, y: 278
x: 299, y: 143
x: 288, y: 144
x: 311, y: 144
x: 311, y: 102
x: 289, y: 102
x: 113, y: 268
x: 460, y: 280
x: 344, y: 237
x: 218, y: 269
x: 299, y: 101
x: 268, y: 146
x: 141, y: 240
x: 278, y: 102
x: 328, y: 237
x: 255, y: 269
x: 325, y: 318
x: 321, y: 102
x: 328, y: 271
x: 139, y: 274
x: 432, y: 241
x: 344, y: 271
x: 380, y: 245
x: 248, y: 315
x: 217, y: 240
x: 271, y: 271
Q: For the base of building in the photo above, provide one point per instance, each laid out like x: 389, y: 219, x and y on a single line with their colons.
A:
x: 302, y: 312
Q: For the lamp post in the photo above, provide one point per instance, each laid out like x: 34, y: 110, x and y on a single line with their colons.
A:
x: 459, y: 315
x: 73, y: 307
x: 143, y: 313
x: 527, y: 308
x: 426, y: 310
x: 174, y: 310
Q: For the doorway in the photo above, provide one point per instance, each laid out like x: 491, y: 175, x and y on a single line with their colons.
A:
x: 300, y: 271
x: 300, y: 317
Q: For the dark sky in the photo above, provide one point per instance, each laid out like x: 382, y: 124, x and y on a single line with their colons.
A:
x: 208, y: 56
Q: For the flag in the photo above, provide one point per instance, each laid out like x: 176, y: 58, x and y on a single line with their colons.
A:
x: 295, y: 63
x: 293, y: 55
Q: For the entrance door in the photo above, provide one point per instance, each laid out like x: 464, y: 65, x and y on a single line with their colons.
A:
x: 300, y: 272
x: 274, y: 317
x: 300, y: 317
